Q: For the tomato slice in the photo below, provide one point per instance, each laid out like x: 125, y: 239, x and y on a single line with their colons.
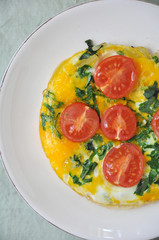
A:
x: 155, y: 124
x: 116, y: 76
x: 118, y: 123
x: 79, y: 122
x: 124, y: 165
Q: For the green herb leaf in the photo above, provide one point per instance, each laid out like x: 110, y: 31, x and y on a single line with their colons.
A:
x: 58, y: 104
x: 96, y: 106
x: 142, y: 137
x: 76, y: 158
x: 142, y: 186
x: 146, y: 182
x: 50, y: 95
x: 154, y: 162
x: 88, y: 95
x: 87, y: 180
x: 151, y: 91
x: 90, y: 79
x: 120, y: 52
x: 45, y: 118
x: 89, y: 52
x: 89, y: 146
x: 147, y: 106
x: 156, y: 103
x: 156, y: 59
x: 97, y: 138
x: 83, y: 71
x: 49, y: 107
x: 55, y: 126
x: 80, y: 93
x: 89, y: 43
x: 88, y: 167
x: 102, y: 150
x: 75, y: 179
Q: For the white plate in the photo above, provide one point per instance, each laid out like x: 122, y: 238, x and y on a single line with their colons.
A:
x: 114, y: 21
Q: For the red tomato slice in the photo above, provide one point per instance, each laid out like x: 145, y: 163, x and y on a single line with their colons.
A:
x: 116, y: 76
x: 79, y: 122
x: 124, y: 165
x: 118, y: 123
x: 155, y: 123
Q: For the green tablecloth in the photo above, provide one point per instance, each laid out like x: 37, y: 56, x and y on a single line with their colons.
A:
x: 18, y: 18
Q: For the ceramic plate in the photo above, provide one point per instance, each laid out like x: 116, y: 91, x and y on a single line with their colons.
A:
x: 113, y: 21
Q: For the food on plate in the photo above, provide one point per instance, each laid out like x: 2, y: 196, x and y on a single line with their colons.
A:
x: 99, y: 124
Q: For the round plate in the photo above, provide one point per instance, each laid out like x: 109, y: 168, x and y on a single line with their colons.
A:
x: 112, y: 21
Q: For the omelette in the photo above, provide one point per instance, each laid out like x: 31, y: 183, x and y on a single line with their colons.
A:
x: 99, y: 124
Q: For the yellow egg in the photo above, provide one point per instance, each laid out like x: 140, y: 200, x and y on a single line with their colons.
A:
x: 68, y: 158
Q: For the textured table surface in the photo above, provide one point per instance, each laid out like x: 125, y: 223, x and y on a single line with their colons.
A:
x: 18, y: 18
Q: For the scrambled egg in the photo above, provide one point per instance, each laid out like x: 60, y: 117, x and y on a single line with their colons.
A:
x: 67, y: 157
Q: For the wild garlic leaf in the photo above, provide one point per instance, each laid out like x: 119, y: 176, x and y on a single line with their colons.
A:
x: 156, y: 59
x: 152, y: 91
x: 91, y: 50
x: 83, y: 71
x: 120, y: 53
x: 75, y: 179
x: 49, y: 107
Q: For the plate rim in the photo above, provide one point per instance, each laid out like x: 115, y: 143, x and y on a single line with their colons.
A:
x: 2, y: 87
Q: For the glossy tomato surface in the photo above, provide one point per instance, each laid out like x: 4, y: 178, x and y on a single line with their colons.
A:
x: 124, y: 165
x: 79, y: 122
x: 118, y: 123
x: 116, y: 76
x: 155, y: 124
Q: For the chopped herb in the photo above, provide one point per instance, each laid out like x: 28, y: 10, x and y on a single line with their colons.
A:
x: 49, y: 107
x: 90, y: 79
x: 55, y: 104
x: 142, y: 137
x: 146, y: 106
x: 88, y: 167
x: 91, y: 50
x: 87, y: 180
x: 87, y: 96
x: 80, y: 93
x: 142, y: 186
x: 97, y: 138
x: 156, y: 59
x: 156, y: 103
x: 95, y: 105
x: 120, y: 52
x: 89, y: 146
x: 75, y: 179
x: 55, y: 126
x: 102, y: 150
x: 50, y: 95
x: 83, y: 71
x: 76, y: 158
x: 154, y: 162
x: 89, y: 43
x: 143, y: 88
x: 152, y: 91
x: 146, y: 182
x: 45, y: 118
x: 59, y: 104
x: 154, y: 147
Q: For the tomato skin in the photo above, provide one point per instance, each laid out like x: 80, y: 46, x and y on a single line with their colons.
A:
x: 79, y: 122
x: 155, y: 124
x: 118, y: 123
x: 116, y: 76
x: 124, y: 165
